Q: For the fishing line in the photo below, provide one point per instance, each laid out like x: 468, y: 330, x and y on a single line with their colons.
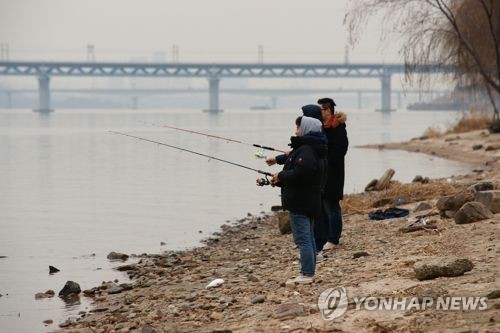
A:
x: 260, y: 182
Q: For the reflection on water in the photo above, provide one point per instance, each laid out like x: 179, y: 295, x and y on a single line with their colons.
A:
x: 70, y: 189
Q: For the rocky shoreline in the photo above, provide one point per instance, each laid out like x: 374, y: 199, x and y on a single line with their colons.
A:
x: 379, y: 259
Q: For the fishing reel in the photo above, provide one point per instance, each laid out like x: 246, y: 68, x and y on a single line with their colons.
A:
x: 263, y: 181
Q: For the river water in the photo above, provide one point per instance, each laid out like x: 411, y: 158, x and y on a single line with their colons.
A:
x: 71, y: 192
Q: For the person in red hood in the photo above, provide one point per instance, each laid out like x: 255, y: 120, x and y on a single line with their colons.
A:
x: 334, y: 127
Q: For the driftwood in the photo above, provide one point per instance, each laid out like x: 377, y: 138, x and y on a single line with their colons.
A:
x: 382, y: 183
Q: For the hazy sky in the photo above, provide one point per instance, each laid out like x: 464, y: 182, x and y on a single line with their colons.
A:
x: 205, y: 30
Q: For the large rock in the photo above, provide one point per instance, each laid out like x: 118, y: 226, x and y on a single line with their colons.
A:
x: 448, y: 205
x: 70, y: 287
x: 491, y: 199
x: 117, y: 256
x: 454, y: 202
x: 483, y: 186
x: 284, y: 223
x: 472, y: 212
x: 437, y: 267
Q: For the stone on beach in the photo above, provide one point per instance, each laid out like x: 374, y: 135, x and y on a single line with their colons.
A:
x: 490, y: 199
x: 448, y: 205
x: 371, y: 185
x: 259, y: 299
x: 284, y: 223
x: 360, y: 254
x: 217, y: 316
x: 441, y: 267
x: 422, y: 207
x: 48, y: 294
x: 276, y: 208
x: 70, y: 287
x: 472, y: 212
x: 420, y: 179
x: 483, y: 186
x: 117, y: 256
x: 494, y: 294
x: 289, y: 311
x: 113, y: 288
x: 53, y: 270
x: 215, y: 283
x: 148, y: 329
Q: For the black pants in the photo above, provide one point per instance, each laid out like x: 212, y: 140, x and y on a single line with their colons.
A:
x: 328, y: 226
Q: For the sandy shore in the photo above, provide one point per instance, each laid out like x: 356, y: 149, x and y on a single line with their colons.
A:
x: 168, y: 292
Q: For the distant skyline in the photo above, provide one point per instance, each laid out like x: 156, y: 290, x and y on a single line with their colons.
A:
x: 205, y: 31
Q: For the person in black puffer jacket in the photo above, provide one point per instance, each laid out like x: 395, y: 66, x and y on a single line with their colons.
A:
x: 302, y: 180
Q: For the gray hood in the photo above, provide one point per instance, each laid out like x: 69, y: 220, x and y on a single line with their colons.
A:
x: 308, y: 125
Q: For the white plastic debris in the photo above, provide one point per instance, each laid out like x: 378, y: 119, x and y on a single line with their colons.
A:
x: 215, y: 283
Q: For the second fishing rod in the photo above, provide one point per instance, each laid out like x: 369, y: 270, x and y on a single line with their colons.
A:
x: 259, y: 154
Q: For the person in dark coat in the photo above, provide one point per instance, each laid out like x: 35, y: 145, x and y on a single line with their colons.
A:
x: 334, y: 127
x: 301, y: 181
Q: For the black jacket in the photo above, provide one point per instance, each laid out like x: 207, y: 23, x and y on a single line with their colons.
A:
x: 337, y: 148
x: 303, y: 177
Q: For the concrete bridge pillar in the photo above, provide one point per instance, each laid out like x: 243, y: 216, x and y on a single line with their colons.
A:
x: 43, y: 95
x: 213, y: 90
x: 360, y: 99
x: 400, y: 102
x: 274, y: 102
x: 386, y: 92
x: 9, y: 100
x: 135, y: 102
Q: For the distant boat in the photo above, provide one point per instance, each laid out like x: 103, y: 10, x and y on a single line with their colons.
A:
x: 260, y: 107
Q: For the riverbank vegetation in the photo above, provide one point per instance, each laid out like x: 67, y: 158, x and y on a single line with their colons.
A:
x: 463, y: 35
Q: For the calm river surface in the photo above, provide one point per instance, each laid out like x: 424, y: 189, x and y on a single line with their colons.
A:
x: 71, y: 192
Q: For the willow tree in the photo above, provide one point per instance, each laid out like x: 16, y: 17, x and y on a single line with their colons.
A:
x: 464, y: 34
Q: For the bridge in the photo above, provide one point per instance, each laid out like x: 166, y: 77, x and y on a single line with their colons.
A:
x: 135, y: 93
x: 44, y: 71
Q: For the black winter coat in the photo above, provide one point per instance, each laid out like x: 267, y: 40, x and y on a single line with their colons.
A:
x: 303, y: 177
x: 337, y: 148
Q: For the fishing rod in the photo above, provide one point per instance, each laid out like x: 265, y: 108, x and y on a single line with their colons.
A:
x: 257, y: 154
x: 260, y: 182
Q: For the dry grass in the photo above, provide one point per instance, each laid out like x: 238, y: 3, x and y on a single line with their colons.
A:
x: 470, y: 121
x: 432, y: 132
x: 362, y: 202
